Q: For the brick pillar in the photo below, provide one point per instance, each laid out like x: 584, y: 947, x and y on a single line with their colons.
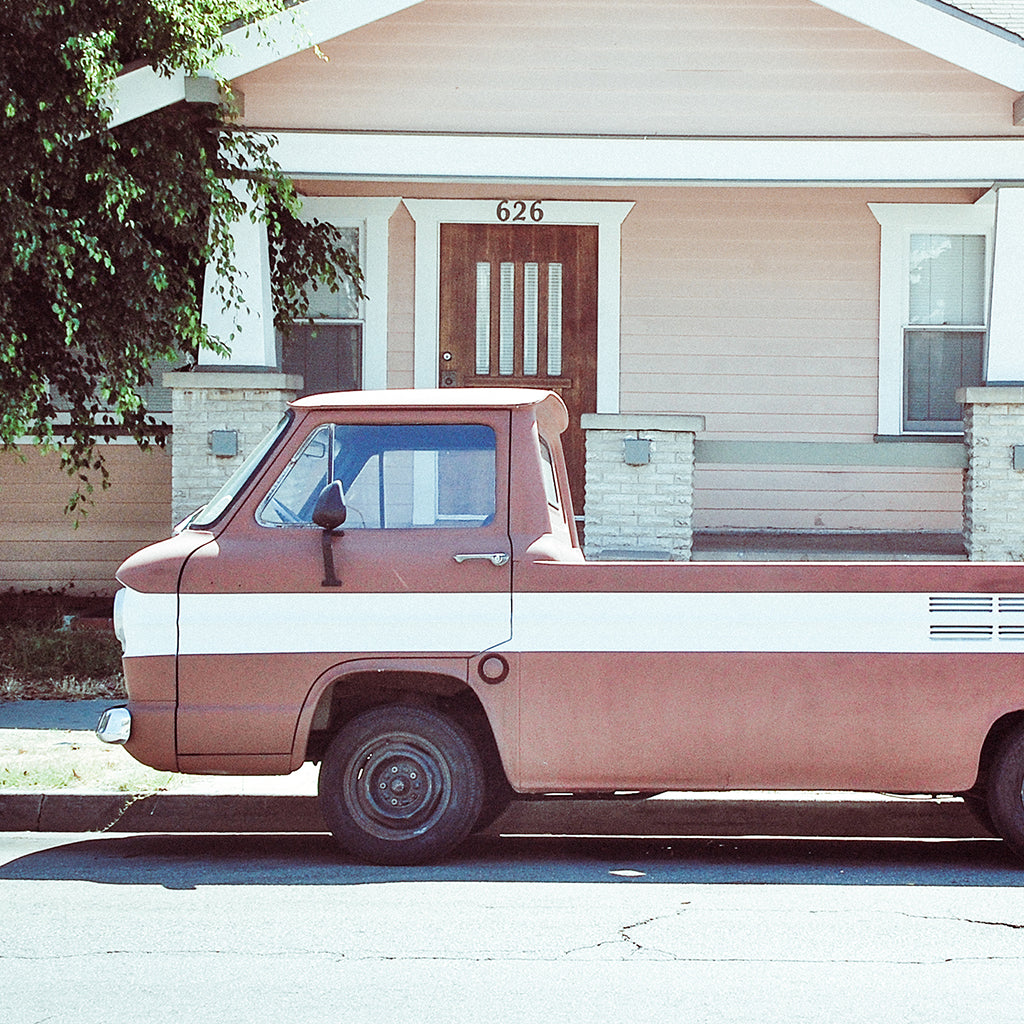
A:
x: 993, y: 488
x: 639, y: 486
x: 217, y: 414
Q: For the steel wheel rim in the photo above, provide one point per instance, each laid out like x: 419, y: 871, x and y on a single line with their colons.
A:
x: 397, y: 786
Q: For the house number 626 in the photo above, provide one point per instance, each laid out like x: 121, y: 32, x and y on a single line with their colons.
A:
x: 518, y: 211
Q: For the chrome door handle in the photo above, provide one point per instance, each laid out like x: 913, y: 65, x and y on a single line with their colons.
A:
x: 494, y: 557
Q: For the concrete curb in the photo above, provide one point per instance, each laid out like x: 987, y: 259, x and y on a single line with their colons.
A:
x: 192, y: 812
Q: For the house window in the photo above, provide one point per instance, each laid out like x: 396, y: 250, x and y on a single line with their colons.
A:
x: 933, y: 312
x: 944, y: 340
x: 328, y: 353
x: 345, y: 347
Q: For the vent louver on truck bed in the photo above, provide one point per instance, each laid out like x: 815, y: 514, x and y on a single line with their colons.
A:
x: 960, y: 603
x: 976, y: 617
x: 961, y: 632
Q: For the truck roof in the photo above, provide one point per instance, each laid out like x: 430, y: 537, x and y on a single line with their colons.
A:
x: 427, y: 398
x: 550, y: 409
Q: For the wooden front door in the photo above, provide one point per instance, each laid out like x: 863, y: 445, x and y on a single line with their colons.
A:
x: 518, y: 307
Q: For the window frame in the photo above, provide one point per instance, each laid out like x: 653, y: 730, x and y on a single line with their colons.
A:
x: 899, y: 221
x: 371, y: 215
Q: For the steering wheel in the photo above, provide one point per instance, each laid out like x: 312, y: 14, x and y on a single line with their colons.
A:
x: 284, y: 513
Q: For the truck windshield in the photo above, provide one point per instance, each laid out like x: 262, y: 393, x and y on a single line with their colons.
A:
x: 219, y: 503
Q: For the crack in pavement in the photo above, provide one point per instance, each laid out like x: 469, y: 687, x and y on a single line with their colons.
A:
x: 638, y: 947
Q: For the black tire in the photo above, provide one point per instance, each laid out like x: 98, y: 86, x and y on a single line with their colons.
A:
x: 1006, y: 791
x: 976, y: 801
x: 401, y: 785
x: 498, y: 794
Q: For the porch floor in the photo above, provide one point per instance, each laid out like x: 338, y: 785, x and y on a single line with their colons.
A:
x: 828, y: 547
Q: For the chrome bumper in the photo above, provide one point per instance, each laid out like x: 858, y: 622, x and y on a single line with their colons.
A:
x: 115, y: 725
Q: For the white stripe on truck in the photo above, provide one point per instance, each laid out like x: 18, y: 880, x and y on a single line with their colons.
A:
x: 605, y: 622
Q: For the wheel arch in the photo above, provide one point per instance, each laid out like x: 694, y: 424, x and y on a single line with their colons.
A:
x: 349, y: 689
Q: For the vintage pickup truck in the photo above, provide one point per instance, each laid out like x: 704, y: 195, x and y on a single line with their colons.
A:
x: 392, y: 585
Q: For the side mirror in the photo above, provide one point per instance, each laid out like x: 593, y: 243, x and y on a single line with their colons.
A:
x: 329, y: 512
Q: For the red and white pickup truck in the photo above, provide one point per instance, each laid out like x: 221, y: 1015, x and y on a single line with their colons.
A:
x: 392, y: 585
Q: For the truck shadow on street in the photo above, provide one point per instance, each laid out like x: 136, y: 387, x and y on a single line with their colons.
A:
x: 188, y: 861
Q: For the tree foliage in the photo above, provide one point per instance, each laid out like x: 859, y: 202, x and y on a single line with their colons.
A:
x: 106, y: 232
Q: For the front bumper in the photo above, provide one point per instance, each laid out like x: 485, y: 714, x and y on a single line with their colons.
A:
x: 115, y: 725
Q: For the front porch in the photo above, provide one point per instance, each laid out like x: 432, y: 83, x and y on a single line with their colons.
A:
x: 644, y: 490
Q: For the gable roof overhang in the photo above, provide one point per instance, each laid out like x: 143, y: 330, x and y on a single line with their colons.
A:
x: 143, y: 90
x: 944, y: 31
x: 930, y: 25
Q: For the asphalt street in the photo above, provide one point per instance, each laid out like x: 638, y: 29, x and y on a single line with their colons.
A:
x: 284, y: 928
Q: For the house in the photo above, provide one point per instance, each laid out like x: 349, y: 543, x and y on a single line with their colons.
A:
x: 769, y: 252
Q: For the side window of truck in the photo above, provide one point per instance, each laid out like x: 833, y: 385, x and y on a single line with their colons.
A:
x: 408, y: 476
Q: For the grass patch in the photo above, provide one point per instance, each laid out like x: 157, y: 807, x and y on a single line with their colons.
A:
x: 40, y: 661
x: 53, y: 760
x: 65, y: 688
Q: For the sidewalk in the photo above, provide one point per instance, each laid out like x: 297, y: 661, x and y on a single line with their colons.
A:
x: 60, y: 732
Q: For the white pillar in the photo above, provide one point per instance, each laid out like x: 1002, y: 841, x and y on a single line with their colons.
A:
x: 639, y: 486
x: 248, y: 331
x: 1006, y: 323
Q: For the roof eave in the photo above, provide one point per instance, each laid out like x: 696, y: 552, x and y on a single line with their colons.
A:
x: 945, y: 32
x: 250, y: 48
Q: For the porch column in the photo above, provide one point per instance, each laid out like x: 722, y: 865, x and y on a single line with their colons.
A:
x: 249, y: 330
x: 994, y: 483
x: 639, y: 485
x: 218, y: 419
x: 994, y: 414
x: 225, y: 405
x: 1005, y: 357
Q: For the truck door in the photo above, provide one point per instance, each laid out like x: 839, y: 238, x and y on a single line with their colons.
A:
x: 422, y: 562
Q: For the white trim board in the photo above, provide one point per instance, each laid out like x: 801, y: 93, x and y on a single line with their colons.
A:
x: 618, y: 160
x: 430, y: 214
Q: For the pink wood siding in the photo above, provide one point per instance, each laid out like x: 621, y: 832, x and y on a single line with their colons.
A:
x: 759, y: 310
x: 676, y: 67
x: 39, y: 546
x: 829, y: 498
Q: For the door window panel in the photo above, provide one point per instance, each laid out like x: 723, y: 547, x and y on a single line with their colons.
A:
x: 394, y: 477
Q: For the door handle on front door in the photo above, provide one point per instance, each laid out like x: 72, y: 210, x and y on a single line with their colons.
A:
x: 494, y: 557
